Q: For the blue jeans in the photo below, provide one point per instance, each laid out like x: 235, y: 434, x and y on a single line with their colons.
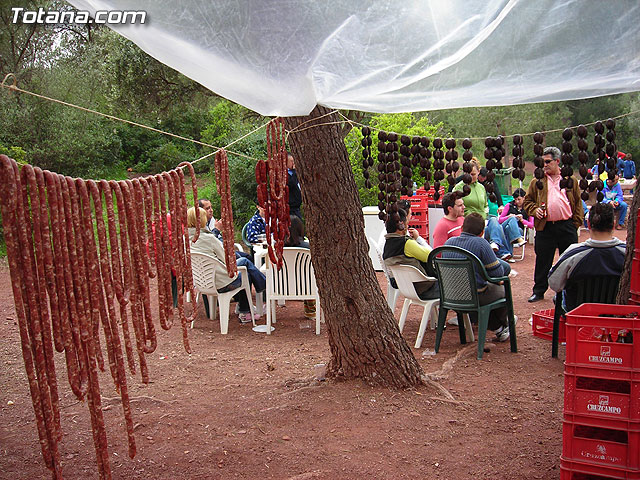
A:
x: 585, y: 211
x: 622, y: 208
x: 256, y: 277
x: 512, y: 230
x: 493, y: 233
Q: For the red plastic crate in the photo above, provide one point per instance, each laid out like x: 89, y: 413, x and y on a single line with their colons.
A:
x: 595, y: 400
x: 600, y: 446
x: 573, y: 470
x: 421, y: 227
x: 543, y: 325
x: 585, y: 350
x: 417, y: 201
x: 419, y: 215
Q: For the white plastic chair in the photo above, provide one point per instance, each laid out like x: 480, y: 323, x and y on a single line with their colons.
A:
x: 296, y: 280
x: 405, y: 276
x: 204, y: 280
x: 392, y: 293
x: 526, y: 237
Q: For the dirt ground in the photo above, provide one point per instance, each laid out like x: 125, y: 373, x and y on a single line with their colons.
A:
x: 245, y: 405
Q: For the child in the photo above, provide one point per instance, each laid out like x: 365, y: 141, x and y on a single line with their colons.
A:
x: 613, y: 195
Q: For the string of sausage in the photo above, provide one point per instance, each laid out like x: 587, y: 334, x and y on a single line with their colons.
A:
x: 272, y: 187
x: 16, y: 239
x: 60, y: 248
x: 224, y: 190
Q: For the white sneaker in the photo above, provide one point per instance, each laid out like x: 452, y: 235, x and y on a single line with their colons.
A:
x: 506, y: 257
x: 453, y: 321
x: 494, y: 246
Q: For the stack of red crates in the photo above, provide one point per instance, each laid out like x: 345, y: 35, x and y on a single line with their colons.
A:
x: 420, y: 203
x: 601, y: 427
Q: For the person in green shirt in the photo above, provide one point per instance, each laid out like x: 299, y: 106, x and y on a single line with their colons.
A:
x: 477, y: 202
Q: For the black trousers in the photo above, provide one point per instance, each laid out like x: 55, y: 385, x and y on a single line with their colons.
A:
x: 557, y: 235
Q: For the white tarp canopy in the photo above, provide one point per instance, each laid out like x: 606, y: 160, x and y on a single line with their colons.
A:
x: 282, y: 57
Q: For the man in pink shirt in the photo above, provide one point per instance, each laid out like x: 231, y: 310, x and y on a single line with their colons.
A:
x: 557, y: 216
x: 451, y: 224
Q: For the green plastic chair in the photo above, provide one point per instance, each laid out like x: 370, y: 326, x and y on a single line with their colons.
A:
x: 459, y: 292
x: 592, y: 289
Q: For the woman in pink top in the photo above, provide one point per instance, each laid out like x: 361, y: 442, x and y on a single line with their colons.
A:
x: 513, y: 212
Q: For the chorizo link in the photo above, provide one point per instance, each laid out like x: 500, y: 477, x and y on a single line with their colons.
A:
x: 194, y: 189
x: 105, y: 266
x: 59, y: 265
x: 96, y: 282
x: 136, y: 309
x: 166, y: 248
x: 141, y: 264
x: 74, y: 293
x: 91, y: 318
x: 49, y: 272
x: 147, y: 217
x: 180, y: 215
x: 33, y: 317
x: 29, y: 177
x: 10, y: 201
x: 126, y: 274
x: 161, y: 271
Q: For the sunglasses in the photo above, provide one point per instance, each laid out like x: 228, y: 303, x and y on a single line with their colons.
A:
x: 547, y: 162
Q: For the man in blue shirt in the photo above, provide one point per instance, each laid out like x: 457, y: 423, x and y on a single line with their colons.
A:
x: 471, y: 239
x: 626, y: 166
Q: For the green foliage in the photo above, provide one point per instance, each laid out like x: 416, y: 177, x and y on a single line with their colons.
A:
x: 405, y: 123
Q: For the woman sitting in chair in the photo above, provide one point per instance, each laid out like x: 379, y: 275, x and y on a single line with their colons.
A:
x: 403, y: 249
x: 602, y: 254
x: 208, y: 244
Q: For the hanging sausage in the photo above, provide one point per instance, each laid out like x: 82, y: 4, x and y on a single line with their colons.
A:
x: 598, y: 150
x: 567, y: 160
x: 583, y: 157
x: 438, y: 165
x: 367, y: 159
x: 538, y: 148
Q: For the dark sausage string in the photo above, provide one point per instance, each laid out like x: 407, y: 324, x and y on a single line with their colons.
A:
x: 75, y: 249
x: 224, y: 190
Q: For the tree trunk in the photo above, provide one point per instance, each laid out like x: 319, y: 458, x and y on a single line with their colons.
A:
x: 625, y: 279
x: 363, y: 334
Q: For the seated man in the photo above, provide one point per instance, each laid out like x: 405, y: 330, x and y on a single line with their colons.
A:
x: 602, y: 254
x: 451, y: 224
x: 205, y: 204
x: 613, y: 195
x: 471, y: 239
x: 401, y: 249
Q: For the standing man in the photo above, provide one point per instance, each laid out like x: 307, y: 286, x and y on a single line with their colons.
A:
x: 206, y: 206
x: 557, y: 217
x: 451, y: 224
x: 295, y: 195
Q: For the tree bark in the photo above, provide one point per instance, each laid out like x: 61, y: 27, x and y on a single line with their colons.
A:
x: 363, y: 335
x: 625, y: 280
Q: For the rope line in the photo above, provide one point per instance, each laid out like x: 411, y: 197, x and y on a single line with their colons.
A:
x: 12, y: 87
x: 356, y: 124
